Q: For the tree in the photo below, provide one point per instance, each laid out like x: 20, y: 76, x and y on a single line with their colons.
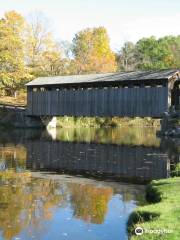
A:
x: 174, y: 47
x: 91, y: 49
x: 53, y: 64
x: 66, y: 48
x: 150, y: 53
x: 38, y: 37
x: 43, y: 54
x: 126, y: 59
x: 13, y: 73
x: 153, y: 54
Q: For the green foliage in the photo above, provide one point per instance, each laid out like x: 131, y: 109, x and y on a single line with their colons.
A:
x: 67, y: 121
x: 153, y: 54
x: 176, y: 171
x: 153, y: 195
x: 150, y: 53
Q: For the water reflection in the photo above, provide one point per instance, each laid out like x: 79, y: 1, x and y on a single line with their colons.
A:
x: 40, y: 205
x: 24, y: 201
x: 12, y: 156
x: 93, y: 208
x: 122, y: 136
x: 33, y: 207
x: 131, y: 154
x: 128, y: 154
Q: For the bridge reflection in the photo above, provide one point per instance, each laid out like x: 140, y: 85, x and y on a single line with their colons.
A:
x: 110, y: 153
x: 128, y: 154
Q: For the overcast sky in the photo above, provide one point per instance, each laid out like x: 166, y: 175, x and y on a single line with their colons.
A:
x: 124, y: 19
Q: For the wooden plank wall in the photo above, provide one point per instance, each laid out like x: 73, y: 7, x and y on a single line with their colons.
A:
x: 116, y: 160
x: 130, y: 102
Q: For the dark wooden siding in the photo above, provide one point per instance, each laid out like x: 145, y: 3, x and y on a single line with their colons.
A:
x: 111, y: 101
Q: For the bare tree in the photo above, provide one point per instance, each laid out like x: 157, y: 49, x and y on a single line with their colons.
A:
x: 38, y: 38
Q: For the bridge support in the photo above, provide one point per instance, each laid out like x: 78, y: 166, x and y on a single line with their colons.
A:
x: 17, y: 117
x: 49, y: 122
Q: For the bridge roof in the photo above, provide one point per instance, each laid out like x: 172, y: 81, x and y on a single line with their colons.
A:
x: 106, y: 77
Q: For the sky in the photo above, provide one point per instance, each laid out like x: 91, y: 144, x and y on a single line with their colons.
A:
x: 125, y: 20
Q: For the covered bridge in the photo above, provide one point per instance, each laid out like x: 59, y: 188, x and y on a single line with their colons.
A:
x: 141, y: 93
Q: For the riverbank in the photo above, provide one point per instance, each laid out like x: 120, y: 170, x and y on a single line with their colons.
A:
x: 66, y: 121
x: 170, y: 124
x: 160, y: 214
x: 12, y: 117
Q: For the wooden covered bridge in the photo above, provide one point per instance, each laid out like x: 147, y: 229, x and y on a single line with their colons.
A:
x: 141, y: 93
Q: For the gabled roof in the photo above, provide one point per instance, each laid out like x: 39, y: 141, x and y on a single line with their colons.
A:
x: 107, y: 77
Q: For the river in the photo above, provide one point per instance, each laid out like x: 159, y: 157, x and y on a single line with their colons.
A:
x: 77, y: 183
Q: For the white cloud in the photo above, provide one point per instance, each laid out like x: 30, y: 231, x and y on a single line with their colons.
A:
x: 135, y: 29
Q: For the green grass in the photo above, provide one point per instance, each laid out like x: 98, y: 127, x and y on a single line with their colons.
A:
x: 176, y: 171
x: 96, y: 122
x: 162, y: 211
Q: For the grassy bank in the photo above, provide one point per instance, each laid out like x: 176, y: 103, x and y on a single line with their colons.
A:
x: 105, y: 122
x: 161, y: 212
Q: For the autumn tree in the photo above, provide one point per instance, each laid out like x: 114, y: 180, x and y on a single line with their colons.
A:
x: 38, y: 40
x: 92, y: 53
x: 43, y: 53
x: 13, y: 72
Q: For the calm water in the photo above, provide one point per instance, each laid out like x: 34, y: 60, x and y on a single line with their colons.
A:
x: 77, y: 183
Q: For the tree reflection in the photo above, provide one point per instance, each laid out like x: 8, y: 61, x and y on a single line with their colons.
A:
x: 12, y: 156
x: 122, y: 136
x: 90, y: 203
x: 26, y: 201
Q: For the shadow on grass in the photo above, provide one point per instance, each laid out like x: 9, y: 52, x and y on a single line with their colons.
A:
x: 139, y: 217
x: 153, y: 195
